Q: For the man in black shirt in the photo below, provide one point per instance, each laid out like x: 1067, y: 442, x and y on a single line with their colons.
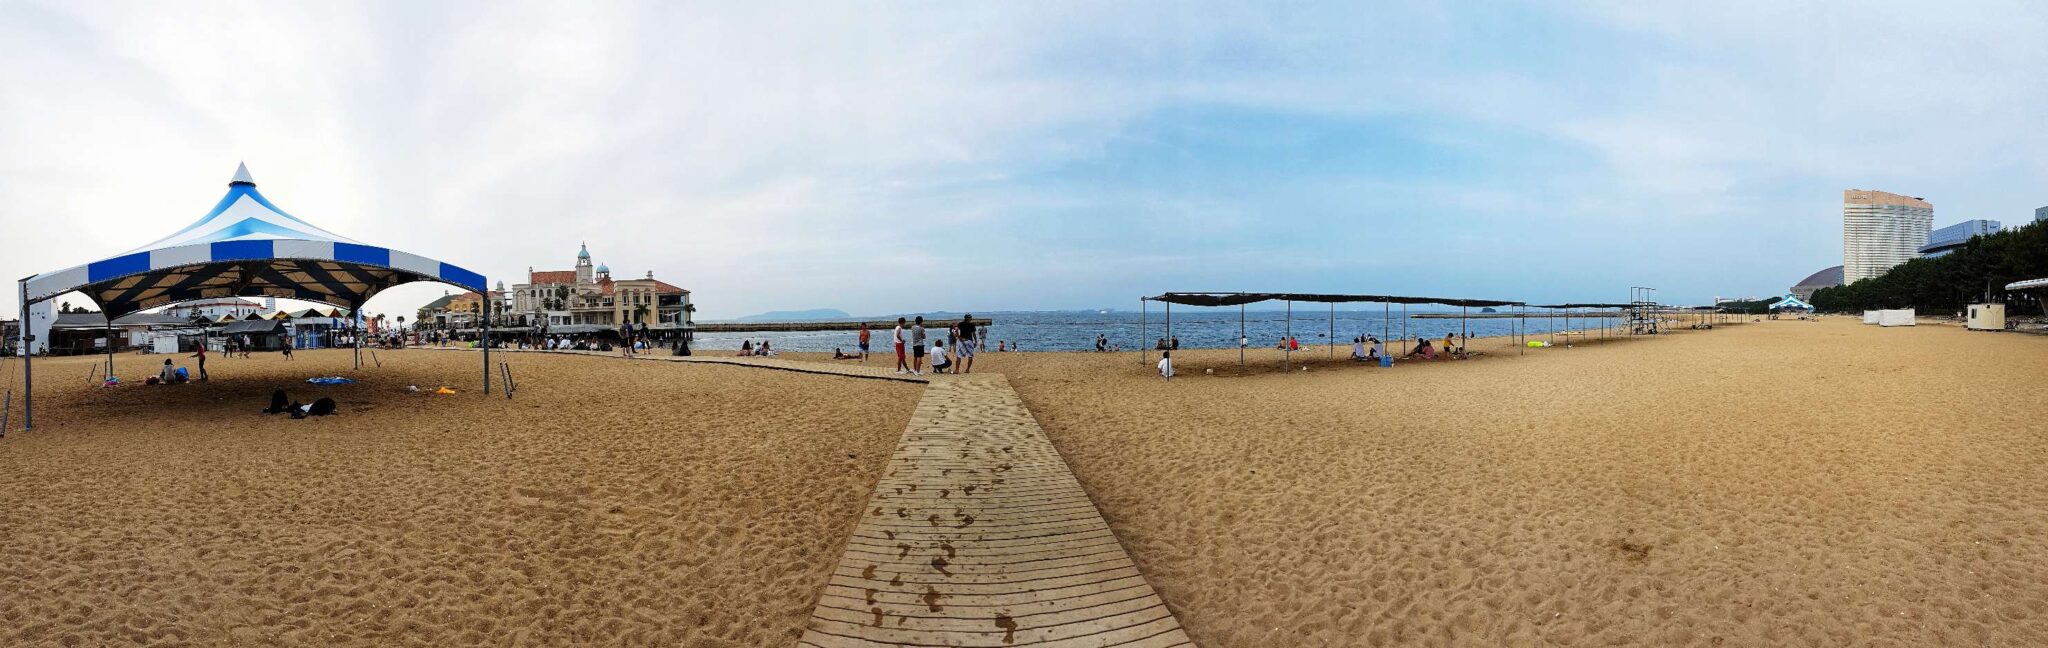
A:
x: 963, y: 346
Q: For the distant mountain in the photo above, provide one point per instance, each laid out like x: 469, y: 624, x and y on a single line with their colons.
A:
x: 796, y: 315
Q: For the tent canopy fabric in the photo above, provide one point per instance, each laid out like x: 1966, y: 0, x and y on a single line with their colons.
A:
x: 2030, y: 284
x: 253, y: 327
x: 1583, y: 305
x: 246, y: 247
x: 1237, y: 298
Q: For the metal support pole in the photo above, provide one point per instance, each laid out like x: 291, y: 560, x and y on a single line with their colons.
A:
x: 1405, y: 351
x: 1333, y: 330
x: 485, y: 340
x: 1144, y: 331
x: 1242, y: 341
x: 1464, y: 333
x: 28, y: 372
x: 1386, y: 325
x: 1521, y: 346
x: 1287, y: 355
x: 1169, y: 323
x: 110, y: 345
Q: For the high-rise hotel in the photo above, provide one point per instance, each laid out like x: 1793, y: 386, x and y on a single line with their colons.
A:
x: 1881, y: 230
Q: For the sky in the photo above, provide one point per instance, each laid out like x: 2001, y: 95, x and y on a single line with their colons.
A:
x: 898, y: 157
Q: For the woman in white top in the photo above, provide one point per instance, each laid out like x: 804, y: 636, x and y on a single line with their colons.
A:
x: 1166, y: 365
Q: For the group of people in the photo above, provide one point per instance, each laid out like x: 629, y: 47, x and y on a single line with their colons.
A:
x: 748, y: 348
x: 952, y: 354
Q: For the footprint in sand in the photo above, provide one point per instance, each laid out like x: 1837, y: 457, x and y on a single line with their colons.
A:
x: 948, y: 546
x: 968, y: 490
x: 878, y: 615
x: 931, y: 598
x: 890, y: 534
x: 964, y: 521
x: 903, y: 550
x: 934, y: 519
x: 871, y: 601
x: 1009, y: 627
x: 869, y: 573
x: 896, y: 580
x: 940, y: 564
x: 945, y: 492
x: 903, y: 513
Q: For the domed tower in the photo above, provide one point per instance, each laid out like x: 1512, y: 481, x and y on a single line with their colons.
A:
x: 583, y: 268
x: 604, y: 273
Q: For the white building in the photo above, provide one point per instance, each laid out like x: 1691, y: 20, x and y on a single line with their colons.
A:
x: 589, y: 298
x: 1881, y: 230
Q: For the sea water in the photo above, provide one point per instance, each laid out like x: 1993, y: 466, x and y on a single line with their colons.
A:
x: 1197, y: 328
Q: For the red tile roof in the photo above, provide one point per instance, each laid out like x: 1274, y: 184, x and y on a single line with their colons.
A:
x: 552, y: 277
x: 663, y: 287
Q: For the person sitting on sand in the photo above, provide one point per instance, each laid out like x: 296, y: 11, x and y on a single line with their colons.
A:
x: 1358, y: 349
x: 169, y: 374
x: 1166, y: 365
x: 1379, y: 349
x: 763, y: 350
x: 746, y: 347
x: 1422, y: 348
x: 840, y: 355
x: 938, y: 357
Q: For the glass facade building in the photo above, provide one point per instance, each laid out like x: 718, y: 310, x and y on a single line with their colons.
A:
x: 1881, y: 230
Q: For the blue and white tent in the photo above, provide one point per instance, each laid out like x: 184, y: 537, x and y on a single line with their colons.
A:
x: 246, y: 247
x: 1791, y: 302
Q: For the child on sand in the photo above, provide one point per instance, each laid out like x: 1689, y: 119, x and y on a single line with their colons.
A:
x: 939, y: 362
x: 864, y: 341
x: 902, y: 363
x: 1166, y: 365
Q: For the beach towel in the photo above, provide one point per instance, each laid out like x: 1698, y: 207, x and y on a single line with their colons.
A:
x: 330, y: 380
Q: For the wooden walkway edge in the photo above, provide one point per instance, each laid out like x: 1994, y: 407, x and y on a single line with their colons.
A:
x: 978, y: 534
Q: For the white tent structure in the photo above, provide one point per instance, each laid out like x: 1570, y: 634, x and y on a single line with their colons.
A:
x: 1873, y: 317
x: 244, y: 247
x: 1896, y: 317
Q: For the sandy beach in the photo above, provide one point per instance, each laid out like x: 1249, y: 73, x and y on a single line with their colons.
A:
x: 608, y: 503
x: 1774, y: 483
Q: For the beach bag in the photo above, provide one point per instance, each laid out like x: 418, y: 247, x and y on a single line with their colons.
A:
x: 1386, y: 361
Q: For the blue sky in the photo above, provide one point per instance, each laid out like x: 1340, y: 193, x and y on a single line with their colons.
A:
x: 892, y: 157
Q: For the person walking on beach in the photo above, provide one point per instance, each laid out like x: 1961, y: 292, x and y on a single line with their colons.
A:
x: 964, y: 350
x: 201, y: 355
x: 863, y: 341
x: 902, y: 366
x: 917, y: 346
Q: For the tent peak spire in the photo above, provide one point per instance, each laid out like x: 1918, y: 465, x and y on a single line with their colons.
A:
x: 242, y: 175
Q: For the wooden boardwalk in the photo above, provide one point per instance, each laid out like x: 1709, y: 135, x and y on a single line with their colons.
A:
x: 979, y: 535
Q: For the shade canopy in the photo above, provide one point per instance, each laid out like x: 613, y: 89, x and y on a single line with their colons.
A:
x: 1236, y: 298
x: 246, y: 247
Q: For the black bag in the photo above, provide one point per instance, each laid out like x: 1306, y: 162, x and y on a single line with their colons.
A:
x: 323, y: 407
x: 277, y: 402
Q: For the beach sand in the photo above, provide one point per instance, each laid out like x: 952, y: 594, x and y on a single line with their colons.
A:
x: 609, y: 502
x: 1775, y: 483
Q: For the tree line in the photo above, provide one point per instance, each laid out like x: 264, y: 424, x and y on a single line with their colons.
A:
x: 1974, y: 273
